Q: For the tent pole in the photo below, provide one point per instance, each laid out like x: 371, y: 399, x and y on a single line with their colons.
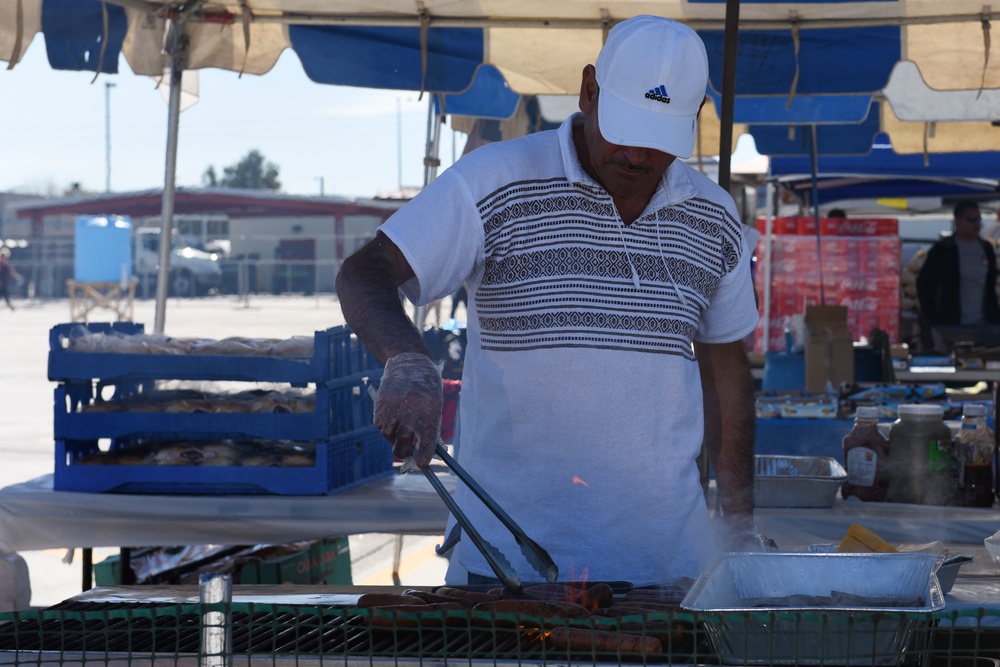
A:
x: 814, y: 169
x: 432, y: 161
x: 178, y: 60
x: 728, y: 92
x: 768, y: 234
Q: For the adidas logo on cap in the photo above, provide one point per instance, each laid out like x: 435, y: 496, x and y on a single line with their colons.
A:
x: 659, y: 94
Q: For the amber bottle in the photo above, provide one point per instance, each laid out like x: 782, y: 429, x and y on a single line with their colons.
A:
x: 866, y: 454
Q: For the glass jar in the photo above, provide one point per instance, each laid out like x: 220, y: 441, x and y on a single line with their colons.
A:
x: 974, y: 449
x: 866, y: 458
x: 921, y: 457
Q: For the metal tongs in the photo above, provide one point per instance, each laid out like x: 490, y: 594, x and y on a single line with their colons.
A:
x: 536, y: 556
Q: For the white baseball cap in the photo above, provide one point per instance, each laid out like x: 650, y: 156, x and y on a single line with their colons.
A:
x: 653, y: 73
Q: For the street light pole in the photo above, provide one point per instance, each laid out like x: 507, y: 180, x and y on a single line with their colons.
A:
x: 107, y: 135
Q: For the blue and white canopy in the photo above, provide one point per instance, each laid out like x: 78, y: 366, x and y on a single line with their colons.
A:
x: 895, y: 64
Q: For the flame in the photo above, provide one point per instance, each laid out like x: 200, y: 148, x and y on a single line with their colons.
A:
x: 577, y: 480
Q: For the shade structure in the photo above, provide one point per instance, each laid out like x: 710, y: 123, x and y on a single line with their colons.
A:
x: 884, y: 172
x: 817, y: 50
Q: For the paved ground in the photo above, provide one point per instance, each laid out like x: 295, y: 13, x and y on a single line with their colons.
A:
x: 26, y: 446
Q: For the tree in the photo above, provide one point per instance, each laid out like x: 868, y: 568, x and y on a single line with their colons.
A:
x: 253, y: 172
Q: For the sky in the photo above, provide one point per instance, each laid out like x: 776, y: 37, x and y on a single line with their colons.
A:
x: 345, y: 140
x: 355, y: 142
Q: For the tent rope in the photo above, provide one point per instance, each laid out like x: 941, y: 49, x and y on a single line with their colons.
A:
x: 246, y: 16
x: 104, y: 40
x: 15, y: 55
x: 425, y: 21
x: 986, y: 47
x: 794, y: 18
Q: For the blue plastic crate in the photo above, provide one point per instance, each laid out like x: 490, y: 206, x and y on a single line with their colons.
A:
x: 336, y: 354
x: 342, y: 463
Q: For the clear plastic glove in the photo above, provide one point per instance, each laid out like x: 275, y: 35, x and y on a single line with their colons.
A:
x: 751, y: 541
x: 408, y: 406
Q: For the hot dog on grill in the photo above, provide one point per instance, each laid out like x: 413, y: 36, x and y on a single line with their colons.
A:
x: 601, y: 641
x: 369, y: 600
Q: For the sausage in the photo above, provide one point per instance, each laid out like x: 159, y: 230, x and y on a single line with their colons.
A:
x: 432, y: 598
x: 556, y: 592
x: 473, y: 597
x: 597, y: 596
x: 388, y: 617
x: 624, y: 609
x: 671, y: 635
x: 601, y: 641
x: 369, y: 600
x: 539, y: 608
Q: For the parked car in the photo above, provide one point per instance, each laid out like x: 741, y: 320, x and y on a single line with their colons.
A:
x: 193, y: 272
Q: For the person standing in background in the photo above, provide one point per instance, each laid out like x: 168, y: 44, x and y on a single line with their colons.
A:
x: 7, y: 274
x: 956, y: 285
x: 461, y: 296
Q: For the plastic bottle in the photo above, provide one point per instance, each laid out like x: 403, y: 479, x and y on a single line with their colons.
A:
x: 920, y: 457
x: 866, y: 458
x: 974, y: 454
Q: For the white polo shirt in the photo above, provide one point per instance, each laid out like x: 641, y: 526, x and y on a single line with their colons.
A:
x: 581, y: 407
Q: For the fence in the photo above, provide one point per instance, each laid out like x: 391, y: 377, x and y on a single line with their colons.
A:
x: 47, y: 263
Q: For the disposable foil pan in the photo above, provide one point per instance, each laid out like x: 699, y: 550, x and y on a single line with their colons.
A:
x: 818, y: 608
x: 796, y: 481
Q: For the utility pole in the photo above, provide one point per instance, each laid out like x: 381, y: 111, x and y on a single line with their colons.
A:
x: 107, y: 135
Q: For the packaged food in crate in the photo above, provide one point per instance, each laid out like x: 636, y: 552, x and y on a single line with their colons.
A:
x: 224, y: 466
x: 111, y: 373
x: 94, y: 410
x: 123, y: 350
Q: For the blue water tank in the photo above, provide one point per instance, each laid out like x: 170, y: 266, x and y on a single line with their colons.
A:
x: 102, y: 250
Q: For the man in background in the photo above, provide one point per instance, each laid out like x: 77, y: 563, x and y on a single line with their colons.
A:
x: 957, y: 283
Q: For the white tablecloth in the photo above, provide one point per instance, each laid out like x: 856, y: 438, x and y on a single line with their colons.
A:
x: 33, y: 516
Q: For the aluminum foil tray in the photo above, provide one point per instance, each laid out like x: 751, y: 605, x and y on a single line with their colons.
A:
x: 796, y: 481
x: 818, y: 608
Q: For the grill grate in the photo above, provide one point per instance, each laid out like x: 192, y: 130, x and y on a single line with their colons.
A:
x: 169, y: 629
x: 161, y: 631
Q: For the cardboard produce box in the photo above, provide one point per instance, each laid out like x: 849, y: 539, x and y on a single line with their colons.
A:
x: 331, y: 562
x: 829, y: 347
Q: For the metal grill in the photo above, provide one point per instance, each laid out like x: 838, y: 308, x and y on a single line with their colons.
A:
x: 134, y: 635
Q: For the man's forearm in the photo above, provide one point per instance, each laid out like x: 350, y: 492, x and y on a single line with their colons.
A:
x: 730, y: 428
x: 368, y: 290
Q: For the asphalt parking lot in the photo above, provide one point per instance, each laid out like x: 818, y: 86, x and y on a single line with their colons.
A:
x: 26, y: 418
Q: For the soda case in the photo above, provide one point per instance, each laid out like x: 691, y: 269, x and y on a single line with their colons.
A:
x: 860, y: 269
x: 349, y: 450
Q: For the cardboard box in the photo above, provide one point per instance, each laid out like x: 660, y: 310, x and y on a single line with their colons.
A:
x: 331, y: 562
x: 829, y: 347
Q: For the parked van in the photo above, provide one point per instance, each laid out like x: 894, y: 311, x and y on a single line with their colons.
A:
x: 193, y: 272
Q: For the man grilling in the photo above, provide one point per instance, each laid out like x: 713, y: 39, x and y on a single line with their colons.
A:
x: 609, y: 292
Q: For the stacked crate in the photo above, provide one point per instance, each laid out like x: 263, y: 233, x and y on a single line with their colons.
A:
x: 349, y: 450
x: 860, y: 262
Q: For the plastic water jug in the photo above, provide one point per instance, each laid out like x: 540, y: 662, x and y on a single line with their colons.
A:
x: 102, y: 250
